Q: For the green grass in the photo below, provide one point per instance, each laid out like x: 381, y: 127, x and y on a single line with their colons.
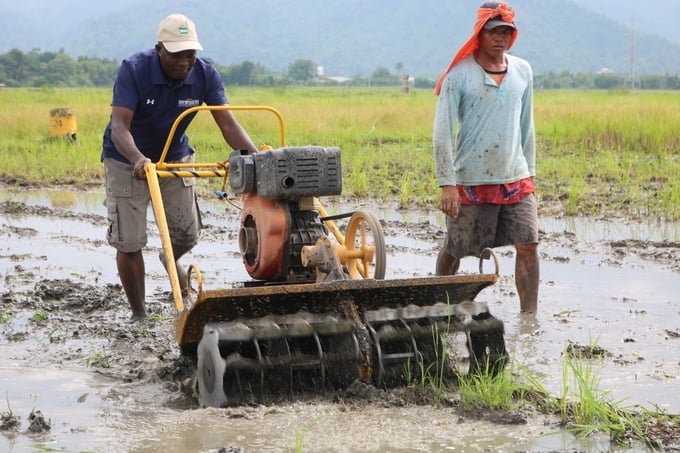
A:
x: 599, y: 152
x: 98, y: 359
x: 300, y: 434
x: 609, y: 152
x: 487, y: 390
x: 40, y: 315
x: 6, y: 315
x: 432, y: 375
x: 585, y: 408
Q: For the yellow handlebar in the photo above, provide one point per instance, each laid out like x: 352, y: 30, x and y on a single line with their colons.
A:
x: 282, y: 135
x: 161, y: 169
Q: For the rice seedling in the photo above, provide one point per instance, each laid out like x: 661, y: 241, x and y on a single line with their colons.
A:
x: 489, y: 390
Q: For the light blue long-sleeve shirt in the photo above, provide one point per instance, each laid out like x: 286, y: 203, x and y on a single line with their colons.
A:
x: 494, y: 125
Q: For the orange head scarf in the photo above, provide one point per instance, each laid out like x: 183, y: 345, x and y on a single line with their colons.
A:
x: 484, y: 14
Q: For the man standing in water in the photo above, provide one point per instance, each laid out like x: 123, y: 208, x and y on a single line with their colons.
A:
x: 152, y: 88
x: 487, y: 172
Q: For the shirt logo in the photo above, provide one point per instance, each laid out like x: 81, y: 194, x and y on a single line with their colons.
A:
x: 186, y: 103
x: 150, y: 101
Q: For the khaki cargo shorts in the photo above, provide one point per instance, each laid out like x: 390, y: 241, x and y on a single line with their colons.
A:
x: 492, y: 225
x: 127, y: 203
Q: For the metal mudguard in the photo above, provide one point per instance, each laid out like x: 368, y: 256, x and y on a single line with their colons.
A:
x: 214, y: 306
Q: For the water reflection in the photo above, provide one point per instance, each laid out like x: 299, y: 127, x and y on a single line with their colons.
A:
x: 585, y: 229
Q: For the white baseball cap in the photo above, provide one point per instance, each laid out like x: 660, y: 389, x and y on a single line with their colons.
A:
x: 178, y: 33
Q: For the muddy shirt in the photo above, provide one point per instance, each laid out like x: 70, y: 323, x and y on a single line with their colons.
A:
x: 495, y: 141
x: 140, y: 86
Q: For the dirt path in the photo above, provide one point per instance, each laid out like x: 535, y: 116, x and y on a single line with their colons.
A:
x: 63, y: 311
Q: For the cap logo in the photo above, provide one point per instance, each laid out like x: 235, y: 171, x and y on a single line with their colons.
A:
x: 183, y: 30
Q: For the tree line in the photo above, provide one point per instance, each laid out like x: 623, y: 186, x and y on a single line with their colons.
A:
x: 57, y: 69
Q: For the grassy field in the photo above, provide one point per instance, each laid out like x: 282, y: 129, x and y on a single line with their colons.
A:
x: 600, y: 153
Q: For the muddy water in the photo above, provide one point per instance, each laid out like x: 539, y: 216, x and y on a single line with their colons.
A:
x: 603, y: 281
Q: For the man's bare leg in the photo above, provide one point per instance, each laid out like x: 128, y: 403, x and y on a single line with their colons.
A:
x: 132, y: 275
x: 527, y: 277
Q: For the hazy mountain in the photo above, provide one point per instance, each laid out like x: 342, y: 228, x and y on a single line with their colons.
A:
x: 647, y: 17
x: 354, y: 37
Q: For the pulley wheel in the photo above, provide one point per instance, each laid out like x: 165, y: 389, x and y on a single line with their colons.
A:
x: 364, y: 238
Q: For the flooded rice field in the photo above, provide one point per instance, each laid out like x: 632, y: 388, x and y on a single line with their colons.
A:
x: 77, y: 375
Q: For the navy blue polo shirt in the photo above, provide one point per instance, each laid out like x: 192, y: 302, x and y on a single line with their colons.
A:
x: 140, y: 86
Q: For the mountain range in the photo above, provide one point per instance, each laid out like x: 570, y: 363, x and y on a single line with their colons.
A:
x: 354, y: 37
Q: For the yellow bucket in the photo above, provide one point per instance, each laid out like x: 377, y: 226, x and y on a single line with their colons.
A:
x: 63, y: 123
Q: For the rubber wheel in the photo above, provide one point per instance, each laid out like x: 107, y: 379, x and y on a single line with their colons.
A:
x: 365, y: 233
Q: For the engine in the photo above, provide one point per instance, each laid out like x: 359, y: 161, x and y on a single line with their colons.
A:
x: 279, y: 218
